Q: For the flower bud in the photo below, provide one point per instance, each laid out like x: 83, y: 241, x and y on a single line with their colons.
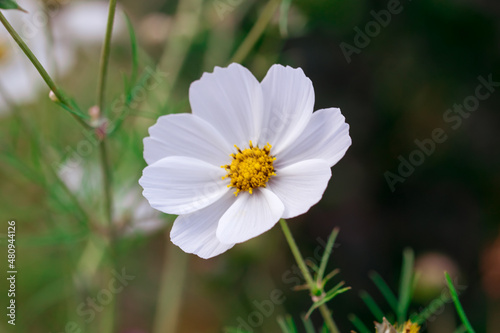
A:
x: 53, y: 97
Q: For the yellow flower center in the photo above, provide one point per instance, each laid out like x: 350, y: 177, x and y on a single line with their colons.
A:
x: 410, y: 327
x: 250, y: 168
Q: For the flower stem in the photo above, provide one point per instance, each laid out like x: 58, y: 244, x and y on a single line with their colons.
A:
x: 103, y: 67
x: 43, y: 73
x: 173, y: 278
x: 330, y: 323
x: 107, y: 182
x: 257, y: 30
x: 296, y: 254
x: 327, y: 317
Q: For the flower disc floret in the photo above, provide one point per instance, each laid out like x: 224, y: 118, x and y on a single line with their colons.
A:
x: 251, y: 168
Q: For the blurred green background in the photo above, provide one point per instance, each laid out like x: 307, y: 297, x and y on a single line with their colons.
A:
x: 394, y: 90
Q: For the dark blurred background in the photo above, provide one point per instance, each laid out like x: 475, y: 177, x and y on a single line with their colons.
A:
x: 396, y: 89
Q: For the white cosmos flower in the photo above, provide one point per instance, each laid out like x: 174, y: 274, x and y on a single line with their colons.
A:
x: 249, y: 154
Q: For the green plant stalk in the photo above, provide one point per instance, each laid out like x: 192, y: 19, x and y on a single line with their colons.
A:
x: 257, y: 31
x: 103, y: 67
x: 43, y: 73
x: 326, y: 255
x: 108, y: 183
x: 327, y: 316
x: 458, y: 306
x: 330, y: 323
x: 103, y: 152
x: 170, y: 298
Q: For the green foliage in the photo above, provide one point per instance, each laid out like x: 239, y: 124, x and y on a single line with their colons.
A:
x: 320, y: 280
x: 358, y: 324
x: 398, y: 306
x: 287, y: 324
x: 406, y: 285
x: 10, y: 4
x: 458, y: 305
x: 284, y: 10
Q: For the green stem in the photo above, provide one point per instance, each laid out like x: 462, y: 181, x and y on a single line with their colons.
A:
x: 330, y: 323
x: 327, y: 317
x: 103, y: 152
x: 107, y: 182
x: 257, y: 30
x: 103, y: 67
x: 43, y: 73
x: 172, y: 282
x: 297, y: 255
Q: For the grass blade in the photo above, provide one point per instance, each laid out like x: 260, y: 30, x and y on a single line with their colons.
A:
x: 385, y: 291
x: 327, y: 253
x: 286, y: 324
x: 372, y: 306
x: 284, y: 9
x: 405, y: 285
x: 358, y: 324
x: 133, y: 45
x: 308, y: 325
x: 458, y: 306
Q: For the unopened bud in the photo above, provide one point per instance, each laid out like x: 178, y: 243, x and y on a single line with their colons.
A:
x: 53, y: 97
x: 94, y: 113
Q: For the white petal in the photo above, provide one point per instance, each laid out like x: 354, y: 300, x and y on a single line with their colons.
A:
x: 181, y: 185
x: 186, y: 135
x: 250, y: 216
x: 325, y: 137
x: 231, y: 100
x: 300, y: 185
x: 288, y: 106
x: 196, y: 232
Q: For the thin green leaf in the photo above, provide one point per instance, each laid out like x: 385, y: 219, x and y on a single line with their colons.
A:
x: 405, y: 285
x: 358, y: 324
x: 330, y: 276
x: 334, y: 290
x: 11, y: 4
x: 385, y: 291
x: 324, y: 329
x: 291, y: 324
x: 73, y: 110
x: 312, y: 265
x: 327, y: 253
x: 458, y: 306
x: 328, y: 297
x: 135, y: 52
x: 308, y: 325
x: 127, y: 99
x: 286, y: 324
x: 284, y: 10
x: 372, y: 306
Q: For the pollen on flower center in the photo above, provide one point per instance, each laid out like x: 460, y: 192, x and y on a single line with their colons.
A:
x: 251, y: 168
